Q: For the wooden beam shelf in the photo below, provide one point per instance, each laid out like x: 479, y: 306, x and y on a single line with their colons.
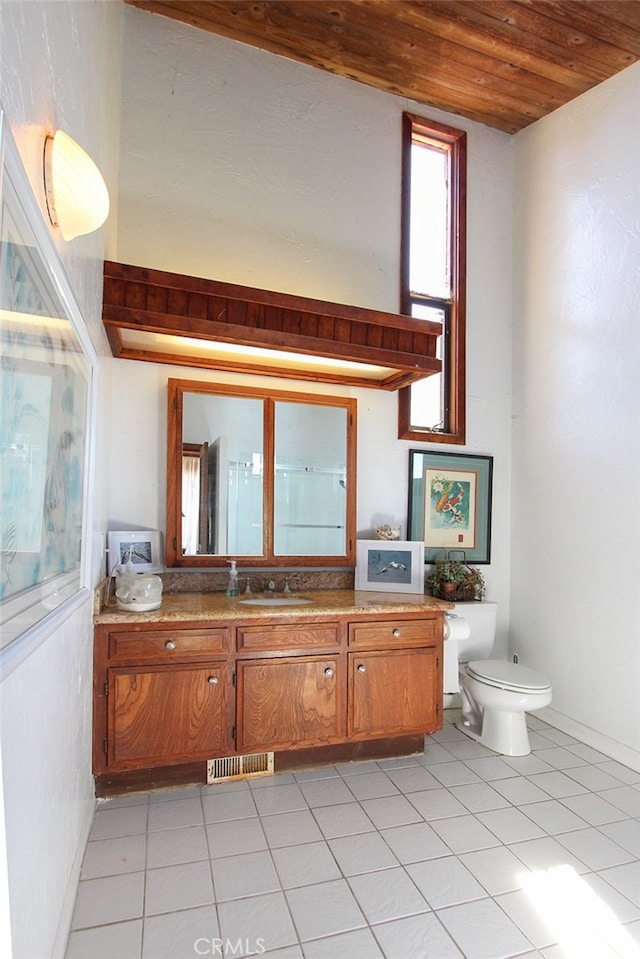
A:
x: 190, y: 321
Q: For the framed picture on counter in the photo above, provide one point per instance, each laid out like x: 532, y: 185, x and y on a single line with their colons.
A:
x: 141, y: 548
x: 395, y: 566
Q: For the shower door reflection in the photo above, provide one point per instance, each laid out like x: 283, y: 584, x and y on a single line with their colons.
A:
x: 310, y: 480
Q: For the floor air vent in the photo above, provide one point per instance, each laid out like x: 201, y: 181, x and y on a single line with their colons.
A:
x: 239, y: 767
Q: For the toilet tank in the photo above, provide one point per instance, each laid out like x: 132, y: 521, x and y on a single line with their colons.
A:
x: 482, y: 630
x: 481, y: 619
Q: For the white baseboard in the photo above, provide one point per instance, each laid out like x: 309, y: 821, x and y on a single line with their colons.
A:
x: 591, y: 737
x: 66, y: 915
x: 604, y: 744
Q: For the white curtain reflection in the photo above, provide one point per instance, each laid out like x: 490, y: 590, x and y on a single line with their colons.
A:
x: 190, y: 503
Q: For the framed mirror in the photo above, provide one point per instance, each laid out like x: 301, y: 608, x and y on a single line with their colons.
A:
x: 266, y: 477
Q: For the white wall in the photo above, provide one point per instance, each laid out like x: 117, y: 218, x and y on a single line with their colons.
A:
x: 576, y: 446
x: 249, y: 168
x: 59, y: 68
x: 252, y: 169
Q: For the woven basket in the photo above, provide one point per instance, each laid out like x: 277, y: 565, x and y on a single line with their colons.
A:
x: 459, y: 594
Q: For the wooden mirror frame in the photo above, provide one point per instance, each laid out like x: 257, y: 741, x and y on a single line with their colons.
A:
x: 174, y: 557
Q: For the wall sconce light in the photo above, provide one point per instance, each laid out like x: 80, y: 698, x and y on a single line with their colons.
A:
x: 77, y: 196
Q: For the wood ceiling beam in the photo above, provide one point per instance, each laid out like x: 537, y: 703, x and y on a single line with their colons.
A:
x: 505, y: 63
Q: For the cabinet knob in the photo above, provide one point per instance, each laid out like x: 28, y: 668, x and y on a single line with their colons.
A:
x: 213, y: 680
x: 397, y: 632
x: 362, y: 668
x: 329, y: 671
x: 169, y: 644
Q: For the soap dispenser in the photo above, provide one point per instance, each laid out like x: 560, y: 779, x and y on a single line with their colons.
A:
x: 232, y: 586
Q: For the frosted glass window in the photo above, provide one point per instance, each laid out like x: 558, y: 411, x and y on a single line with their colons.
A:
x: 428, y: 396
x: 430, y: 272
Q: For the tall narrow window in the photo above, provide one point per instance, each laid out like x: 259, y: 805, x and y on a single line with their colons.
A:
x: 433, y: 268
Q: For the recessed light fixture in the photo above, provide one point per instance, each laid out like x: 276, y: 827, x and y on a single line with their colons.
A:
x: 195, y: 321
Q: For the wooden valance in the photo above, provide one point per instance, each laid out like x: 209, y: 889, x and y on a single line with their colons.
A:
x: 144, y: 311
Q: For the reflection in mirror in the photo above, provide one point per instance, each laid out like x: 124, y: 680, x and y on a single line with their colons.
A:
x: 260, y: 475
x: 310, y: 480
x: 222, y: 462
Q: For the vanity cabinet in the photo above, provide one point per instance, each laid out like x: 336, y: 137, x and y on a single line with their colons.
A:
x: 161, y: 696
x: 394, y: 677
x: 392, y: 692
x: 164, y: 714
x: 288, y: 702
x: 287, y: 698
x: 169, y: 693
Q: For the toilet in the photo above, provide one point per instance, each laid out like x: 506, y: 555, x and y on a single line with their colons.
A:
x: 495, y: 694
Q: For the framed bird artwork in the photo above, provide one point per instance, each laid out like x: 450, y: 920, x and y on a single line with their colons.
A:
x: 390, y: 565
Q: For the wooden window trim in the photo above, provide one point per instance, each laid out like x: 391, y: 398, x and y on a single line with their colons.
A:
x: 455, y: 358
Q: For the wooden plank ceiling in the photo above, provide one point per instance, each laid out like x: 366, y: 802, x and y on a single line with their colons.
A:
x: 505, y: 64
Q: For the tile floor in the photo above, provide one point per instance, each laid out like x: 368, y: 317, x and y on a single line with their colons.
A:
x: 454, y: 853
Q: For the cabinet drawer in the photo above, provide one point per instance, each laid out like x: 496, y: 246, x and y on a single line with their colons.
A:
x: 288, y: 637
x: 389, y: 633
x: 167, y: 644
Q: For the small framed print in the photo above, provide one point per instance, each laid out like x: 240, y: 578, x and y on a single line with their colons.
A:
x: 141, y: 548
x: 394, y: 565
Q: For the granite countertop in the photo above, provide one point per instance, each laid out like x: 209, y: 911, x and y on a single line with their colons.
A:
x: 183, y: 606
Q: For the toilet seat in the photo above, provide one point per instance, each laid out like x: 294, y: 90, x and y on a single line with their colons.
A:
x: 505, y: 675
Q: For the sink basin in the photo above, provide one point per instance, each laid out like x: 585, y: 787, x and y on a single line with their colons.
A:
x: 276, y: 601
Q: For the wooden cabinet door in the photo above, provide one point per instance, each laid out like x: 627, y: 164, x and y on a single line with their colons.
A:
x: 292, y: 701
x: 166, y: 714
x: 393, y: 692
